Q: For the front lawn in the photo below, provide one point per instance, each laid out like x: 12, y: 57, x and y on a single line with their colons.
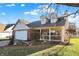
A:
x: 72, y: 49
x: 22, y: 50
x: 43, y: 50
x: 61, y: 50
x: 4, y: 39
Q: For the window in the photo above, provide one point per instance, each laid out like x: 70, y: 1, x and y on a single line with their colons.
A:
x: 53, y: 20
x: 43, y: 21
x: 55, y: 32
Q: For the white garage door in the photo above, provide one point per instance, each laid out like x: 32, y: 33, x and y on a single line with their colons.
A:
x: 21, y: 35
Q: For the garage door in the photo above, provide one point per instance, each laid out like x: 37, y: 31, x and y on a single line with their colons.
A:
x: 21, y: 35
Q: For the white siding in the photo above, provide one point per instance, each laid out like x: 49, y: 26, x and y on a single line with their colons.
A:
x: 21, y: 35
x: 20, y: 26
x: 5, y: 35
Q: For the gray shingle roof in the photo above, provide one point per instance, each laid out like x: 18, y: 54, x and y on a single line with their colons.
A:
x: 8, y: 25
x: 60, y: 22
x: 24, y: 21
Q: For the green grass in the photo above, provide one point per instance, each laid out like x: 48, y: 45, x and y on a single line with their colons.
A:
x: 22, y: 50
x: 72, y: 49
x: 4, y: 39
x: 53, y: 51
x: 43, y: 50
x: 61, y: 50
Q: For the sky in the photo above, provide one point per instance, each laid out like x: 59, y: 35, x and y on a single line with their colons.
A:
x: 11, y: 12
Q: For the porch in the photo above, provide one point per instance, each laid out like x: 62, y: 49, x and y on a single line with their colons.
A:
x: 47, y: 34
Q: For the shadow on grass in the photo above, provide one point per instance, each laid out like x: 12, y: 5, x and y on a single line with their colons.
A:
x: 4, y: 39
x: 23, y: 50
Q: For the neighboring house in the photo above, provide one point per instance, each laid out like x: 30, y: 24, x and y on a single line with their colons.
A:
x: 7, y: 32
x: 54, y: 29
x: 72, y: 30
x: 77, y: 31
x: 2, y: 26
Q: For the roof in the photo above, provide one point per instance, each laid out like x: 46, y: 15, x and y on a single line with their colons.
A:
x: 60, y: 22
x: 25, y: 22
x: 8, y: 25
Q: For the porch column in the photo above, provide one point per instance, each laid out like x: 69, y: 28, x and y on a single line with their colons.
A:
x: 40, y: 34
x: 62, y: 35
x: 49, y: 34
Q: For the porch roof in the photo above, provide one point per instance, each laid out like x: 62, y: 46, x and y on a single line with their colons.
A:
x: 60, y: 22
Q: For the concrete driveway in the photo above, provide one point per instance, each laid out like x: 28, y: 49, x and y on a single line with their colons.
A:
x: 4, y: 43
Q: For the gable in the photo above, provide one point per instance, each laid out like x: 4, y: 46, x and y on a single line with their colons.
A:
x: 20, y: 26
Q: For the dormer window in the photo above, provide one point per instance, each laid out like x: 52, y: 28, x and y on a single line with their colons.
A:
x: 54, y: 18
x: 43, y: 20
